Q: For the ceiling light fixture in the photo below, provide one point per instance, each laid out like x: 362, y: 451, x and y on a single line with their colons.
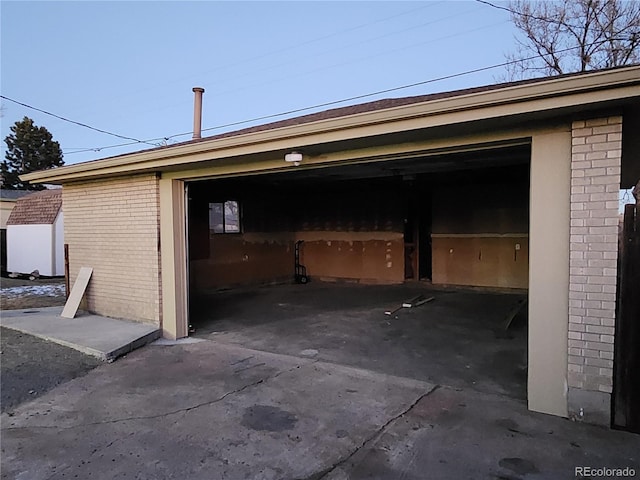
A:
x: 293, y: 157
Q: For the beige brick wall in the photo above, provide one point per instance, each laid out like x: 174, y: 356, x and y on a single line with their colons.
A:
x: 595, y: 182
x: 114, y: 226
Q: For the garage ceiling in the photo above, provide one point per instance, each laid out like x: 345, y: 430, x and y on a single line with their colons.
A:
x: 406, y: 168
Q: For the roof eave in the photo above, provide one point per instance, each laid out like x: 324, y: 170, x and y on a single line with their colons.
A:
x: 524, y: 95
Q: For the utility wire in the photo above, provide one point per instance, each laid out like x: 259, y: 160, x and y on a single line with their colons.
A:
x: 343, y: 47
x: 360, y: 59
x: 136, y: 141
x: 324, y: 37
x: 366, y: 95
x: 97, y: 149
x: 77, y: 123
x: 291, y: 47
x: 507, y: 9
x: 272, y: 66
x: 336, y: 102
x: 524, y: 14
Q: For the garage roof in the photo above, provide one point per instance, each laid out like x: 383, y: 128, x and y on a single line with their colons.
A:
x: 542, y: 96
x: 40, y: 208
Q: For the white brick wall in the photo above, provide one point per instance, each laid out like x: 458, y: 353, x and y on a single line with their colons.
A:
x: 113, y: 226
x: 595, y: 182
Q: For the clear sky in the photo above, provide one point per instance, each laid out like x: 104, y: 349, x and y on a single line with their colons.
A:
x: 128, y: 67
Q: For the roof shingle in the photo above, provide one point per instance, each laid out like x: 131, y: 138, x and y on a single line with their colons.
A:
x: 363, y: 108
x: 40, y: 208
x: 380, y: 105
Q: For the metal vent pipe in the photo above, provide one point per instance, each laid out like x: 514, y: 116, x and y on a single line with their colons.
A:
x: 197, y: 112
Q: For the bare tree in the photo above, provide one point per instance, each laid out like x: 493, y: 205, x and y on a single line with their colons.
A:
x: 573, y: 36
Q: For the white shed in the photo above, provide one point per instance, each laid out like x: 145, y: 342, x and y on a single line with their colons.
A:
x: 35, y: 234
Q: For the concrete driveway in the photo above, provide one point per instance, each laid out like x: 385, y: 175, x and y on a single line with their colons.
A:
x: 209, y: 410
x: 30, y: 366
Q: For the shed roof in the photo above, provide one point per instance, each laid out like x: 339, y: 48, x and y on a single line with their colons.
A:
x: 40, y: 208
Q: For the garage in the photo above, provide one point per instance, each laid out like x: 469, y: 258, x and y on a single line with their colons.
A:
x: 371, y: 237
x: 511, y: 187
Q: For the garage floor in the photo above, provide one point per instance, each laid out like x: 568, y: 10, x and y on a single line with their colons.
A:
x: 457, y: 340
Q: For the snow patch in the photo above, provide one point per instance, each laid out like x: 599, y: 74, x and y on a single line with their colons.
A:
x: 40, y: 290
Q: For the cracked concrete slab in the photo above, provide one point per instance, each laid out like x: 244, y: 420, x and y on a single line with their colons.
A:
x: 455, y: 433
x: 210, y: 410
x: 202, y: 411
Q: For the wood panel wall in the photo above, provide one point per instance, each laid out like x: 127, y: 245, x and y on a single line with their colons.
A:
x: 480, y: 235
x: 352, y: 231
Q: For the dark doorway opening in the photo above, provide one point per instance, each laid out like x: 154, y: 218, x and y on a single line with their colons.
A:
x: 424, y: 234
x: 411, y: 251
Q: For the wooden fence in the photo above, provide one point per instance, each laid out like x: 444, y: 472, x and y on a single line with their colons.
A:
x: 626, y: 386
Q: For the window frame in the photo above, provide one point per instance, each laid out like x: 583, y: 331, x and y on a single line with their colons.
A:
x: 225, y: 231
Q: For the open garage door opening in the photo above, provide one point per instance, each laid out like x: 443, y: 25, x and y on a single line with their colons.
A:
x: 371, y: 236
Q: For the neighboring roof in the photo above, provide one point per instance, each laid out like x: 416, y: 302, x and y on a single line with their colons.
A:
x: 13, y: 195
x: 40, y: 208
x: 524, y: 96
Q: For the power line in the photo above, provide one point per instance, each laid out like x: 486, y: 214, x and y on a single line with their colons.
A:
x: 153, y: 142
x: 324, y: 37
x: 273, y: 66
x: 528, y: 15
x: 343, y: 47
x: 76, y: 123
x: 97, y: 149
x: 353, y: 61
x: 336, y: 102
x: 292, y: 47
x: 367, y: 95
x: 506, y: 9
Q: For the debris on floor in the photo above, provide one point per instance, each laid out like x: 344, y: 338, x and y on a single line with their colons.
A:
x: 411, y: 303
x: 416, y: 301
x: 391, y: 311
x: 513, y: 313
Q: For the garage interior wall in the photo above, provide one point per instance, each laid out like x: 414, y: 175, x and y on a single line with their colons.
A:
x: 369, y: 230
x: 113, y: 226
x: 480, y: 233
x: 352, y: 230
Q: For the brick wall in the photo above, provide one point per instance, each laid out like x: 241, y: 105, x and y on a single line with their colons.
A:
x: 595, y: 182
x: 113, y: 226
